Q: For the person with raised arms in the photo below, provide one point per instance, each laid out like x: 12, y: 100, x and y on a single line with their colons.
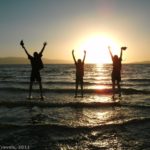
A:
x: 79, y: 72
x: 37, y: 65
x: 116, y: 72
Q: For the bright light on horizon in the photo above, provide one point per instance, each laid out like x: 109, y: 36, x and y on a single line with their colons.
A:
x: 97, y: 49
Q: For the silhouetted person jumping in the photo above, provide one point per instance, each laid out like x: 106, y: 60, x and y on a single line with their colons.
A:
x: 116, y: 72
x: 79, y: 72
x: 37, y: 65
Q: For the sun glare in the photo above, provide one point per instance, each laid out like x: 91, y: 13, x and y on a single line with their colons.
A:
x: 97, y: 49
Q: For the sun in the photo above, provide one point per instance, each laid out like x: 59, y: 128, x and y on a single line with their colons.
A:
x: 97, y: 48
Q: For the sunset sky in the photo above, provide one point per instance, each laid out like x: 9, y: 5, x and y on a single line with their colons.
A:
x: 76, y: 24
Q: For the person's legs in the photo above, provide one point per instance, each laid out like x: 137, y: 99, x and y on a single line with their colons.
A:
x: 118, y: 84
x: 77, y: 83
x: 38, y: 78
x: 30, y: 89
x: 40, y: 85
x: 81, y: 83
x: 113, y: 82
x: 113, y: 86
x: 119, y: 88
x: 32, y: 78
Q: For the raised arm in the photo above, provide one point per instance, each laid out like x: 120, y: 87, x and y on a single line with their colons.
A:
x: 44, y: 44
x: 73, y: 56
x: 84, y: 56
x: 122, y: 49
x: 110, y: 53
x: 22, y: 44
x: 121, y: 53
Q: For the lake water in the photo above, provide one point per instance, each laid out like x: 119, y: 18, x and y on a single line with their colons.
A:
x: 96, y: 121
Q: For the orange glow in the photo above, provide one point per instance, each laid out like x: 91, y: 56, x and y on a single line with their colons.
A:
x: 97, y: 49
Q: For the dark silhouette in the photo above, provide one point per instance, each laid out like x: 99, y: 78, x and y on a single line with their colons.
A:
x: 37, y: 65
x: 116, y: 72
x: 79, y: 72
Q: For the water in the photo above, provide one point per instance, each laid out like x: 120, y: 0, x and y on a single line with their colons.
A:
x: 61, y: 121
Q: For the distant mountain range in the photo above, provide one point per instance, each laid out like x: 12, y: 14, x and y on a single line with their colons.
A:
x: 141, y: 62
x: 22, y: 60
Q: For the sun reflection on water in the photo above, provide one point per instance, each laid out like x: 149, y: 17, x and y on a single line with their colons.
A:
x: 102, y: 115
x: 98, y: 99
x: 98, y: 76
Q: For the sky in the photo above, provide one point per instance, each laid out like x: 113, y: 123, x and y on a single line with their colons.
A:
x: 90, y: 25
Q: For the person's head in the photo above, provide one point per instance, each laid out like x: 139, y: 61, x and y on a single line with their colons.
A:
x: 115, y: 58
x: 35, y: 54
x: 79, y: 61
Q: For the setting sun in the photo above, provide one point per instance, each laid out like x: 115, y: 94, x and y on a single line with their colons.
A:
x: 97, y: 48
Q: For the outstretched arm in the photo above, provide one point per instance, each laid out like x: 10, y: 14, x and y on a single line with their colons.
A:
x: 44, y: 44
x: 121, y: 53
x: 110, y: 53
x: 122, y: 48
x: 22, y: 44
x: 73, y: 56
x: 84, y: 56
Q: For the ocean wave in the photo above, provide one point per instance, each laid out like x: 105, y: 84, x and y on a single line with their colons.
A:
x: 45, y: 104
x: 6, y: 82
x: 56, y: 127
x: 125, y: 91
x: 86, y: 83
x: 139, y: 80
x: 32, y: 103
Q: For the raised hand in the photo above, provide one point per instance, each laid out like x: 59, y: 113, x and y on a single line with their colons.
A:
x: 45, y: 43
x: 123, y: 48
x: 84, y: 56
x: 22, y: 43
x: 73, y: 51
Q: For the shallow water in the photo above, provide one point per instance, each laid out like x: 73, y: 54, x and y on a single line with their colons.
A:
x: 96, y: 121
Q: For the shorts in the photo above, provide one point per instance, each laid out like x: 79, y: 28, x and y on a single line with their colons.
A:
x: 35, y: 76
x: 116, y: 76
x: 79, y: 79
